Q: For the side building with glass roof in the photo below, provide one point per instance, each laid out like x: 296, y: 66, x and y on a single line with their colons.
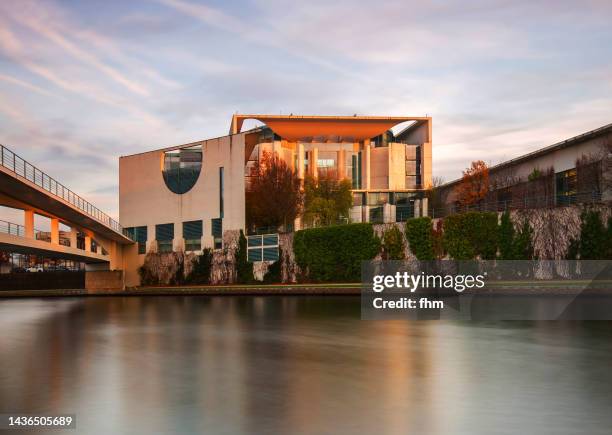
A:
x: 183, y: 198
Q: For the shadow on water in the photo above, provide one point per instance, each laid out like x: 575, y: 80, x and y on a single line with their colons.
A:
x: 297, y: 365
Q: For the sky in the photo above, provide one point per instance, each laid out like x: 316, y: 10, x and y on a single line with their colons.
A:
x: 83, y: 82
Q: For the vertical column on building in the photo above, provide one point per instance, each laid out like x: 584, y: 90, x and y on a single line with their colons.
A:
x: 178, y: 242
x: 28, y: 223
x: 55, y: 231
x: 87, y: 242
x: 313, y: 163
x: 73, y: 237
x: 341, y: 163
x: 365, y: 165
x: 300, y: 160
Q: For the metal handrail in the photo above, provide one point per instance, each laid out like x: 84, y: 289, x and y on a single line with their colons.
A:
x: 14, y: 229
x: 22, y: 168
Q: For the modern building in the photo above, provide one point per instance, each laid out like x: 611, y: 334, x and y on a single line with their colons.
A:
x: 576, y: 170
x: 183, y: 198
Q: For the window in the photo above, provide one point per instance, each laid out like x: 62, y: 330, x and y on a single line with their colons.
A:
x: 262, y: 247
x: 566, y: 187
x: 192, y: 233
x: 139, y: 235
x: 326, y: 163
x: 221, y: 181
x: 376, y: 215
x: 216, y: 226
x: 379, y: 198
x: 182, y: 168
x: 358, y: 198
x: 164, y: 234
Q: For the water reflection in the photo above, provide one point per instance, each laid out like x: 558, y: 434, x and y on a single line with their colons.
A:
x: 296, y: 365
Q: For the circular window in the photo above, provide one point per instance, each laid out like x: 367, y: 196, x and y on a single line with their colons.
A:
x: 182, y: 168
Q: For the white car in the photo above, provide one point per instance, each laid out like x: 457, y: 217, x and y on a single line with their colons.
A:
x: 34, y: 269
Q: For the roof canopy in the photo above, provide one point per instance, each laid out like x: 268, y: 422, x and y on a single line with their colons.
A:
x: 295, y: 128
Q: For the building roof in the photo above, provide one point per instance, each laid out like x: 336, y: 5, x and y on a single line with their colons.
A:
x: 301, y: 127
x: 546, y: 150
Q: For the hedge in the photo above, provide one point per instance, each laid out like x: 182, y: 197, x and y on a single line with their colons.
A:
x: 470, y: 234
x: 393, y: 244
x: 419, y: 233
x: 334, y: 254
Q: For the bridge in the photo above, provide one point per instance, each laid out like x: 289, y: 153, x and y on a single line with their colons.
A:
x: 94, y: 237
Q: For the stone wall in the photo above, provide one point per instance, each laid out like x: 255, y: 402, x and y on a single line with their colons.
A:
x: 224, y: 260
x: 103, y: 280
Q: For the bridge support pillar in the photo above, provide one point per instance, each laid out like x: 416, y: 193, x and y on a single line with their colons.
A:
x: 55, y: 231
x: 29, y: 223
x: 73, y: 237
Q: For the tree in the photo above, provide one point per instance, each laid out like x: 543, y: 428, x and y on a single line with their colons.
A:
x: 593, y: 235
x: 274, y: 197
x: 523, y: 246
x: 420, y: 236
x: 244, y: 268
x: 474, y: 184
x: 326, y: 200
x: 393, y: 244
x: 506, y: 238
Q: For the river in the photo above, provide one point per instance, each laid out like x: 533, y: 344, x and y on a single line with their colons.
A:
x: 266, y: 365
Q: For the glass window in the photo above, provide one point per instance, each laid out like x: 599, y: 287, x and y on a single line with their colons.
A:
x: 221, y: 186
x: 566, y: 187
x: 378, y: 198
x: 192, y: 233
x: 182, y: 168
x: 164, y: 234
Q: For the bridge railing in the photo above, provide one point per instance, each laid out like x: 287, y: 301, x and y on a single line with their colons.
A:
x: 21, y: 167
x: 14, y: 229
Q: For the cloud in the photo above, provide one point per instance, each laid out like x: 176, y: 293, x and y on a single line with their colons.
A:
x: 82, y: 84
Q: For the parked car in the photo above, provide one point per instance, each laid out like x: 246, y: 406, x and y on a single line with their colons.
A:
x: 34, y: 269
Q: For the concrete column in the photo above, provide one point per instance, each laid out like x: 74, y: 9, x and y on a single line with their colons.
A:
x: 29, y: 223
x: 417, y: 208
x: 73, y: 237
x: 87, y: 243
x: 341, y: 165
x: 300, y: 168
x: 425, y: 206
x: 365, y: 165
x: 313, y: 163
x: 54, y: 231
x: 178, y: 244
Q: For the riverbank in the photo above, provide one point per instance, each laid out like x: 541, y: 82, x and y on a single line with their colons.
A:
x: 501, y: 288
x: 229, y: 290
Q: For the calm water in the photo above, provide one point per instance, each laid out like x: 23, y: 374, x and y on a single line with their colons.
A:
x: 269, y: 365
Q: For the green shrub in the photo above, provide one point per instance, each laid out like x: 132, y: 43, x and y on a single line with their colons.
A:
x: 593, y: 236
x: 335, y: 253
x: 470, y: 234
x: 506, y: 238
x: 244, y: 268
x: 274, y: 274
x: 419, y: 233
x: 202, y: 266
x: 393, y: 244
x: 522, y: 244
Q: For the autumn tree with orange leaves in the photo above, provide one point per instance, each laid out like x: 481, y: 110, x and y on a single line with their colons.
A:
x: 474, y: 184
x: 274, y: 197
